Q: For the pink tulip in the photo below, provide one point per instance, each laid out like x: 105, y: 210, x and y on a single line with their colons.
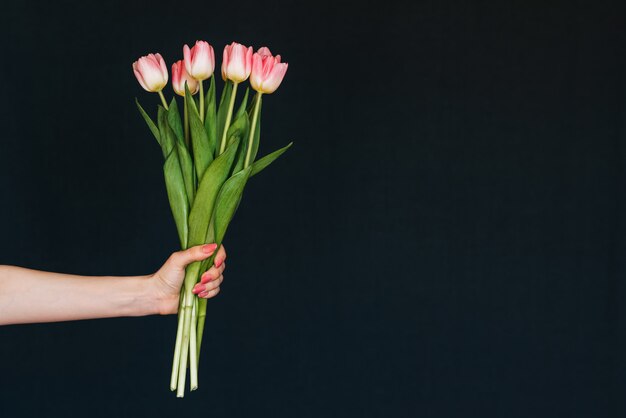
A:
x: 199, y: 60
x: 263, y: 51
x: 267, y: 71
x: 180, y: 76
x: 151, y: 72
x: 237, y: 62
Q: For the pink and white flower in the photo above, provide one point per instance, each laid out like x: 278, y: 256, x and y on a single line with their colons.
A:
x: 180, y: 76
x: 237, y: 62
x: 199, y: 60
x: 151, y: 72
x: 267, y: 71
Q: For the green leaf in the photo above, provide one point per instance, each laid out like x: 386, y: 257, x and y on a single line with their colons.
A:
x: 251, y: 105
x: 223, y: 111
x: 208, y: 189
x: 192, y: 102
x: 186, y: 168
x: 173, y: 118
x: 202, y: 152
x: 228, y: 202
x: 242, y: 106
x: 240, y: 128
x: 167, y: 141
x: 259, y: 165
x: 176, y: 195
x: 149, y: 122
x: 210, y: 119
x: 210, y: 237
x: 184, y: 159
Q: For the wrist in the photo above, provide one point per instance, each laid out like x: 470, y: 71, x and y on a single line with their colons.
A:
x: 146, y: 300
x: 164, y: 299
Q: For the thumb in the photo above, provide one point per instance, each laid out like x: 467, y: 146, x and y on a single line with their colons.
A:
x: 180, y: 259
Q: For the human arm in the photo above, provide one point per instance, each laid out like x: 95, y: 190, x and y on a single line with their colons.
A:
x: 28, y: 296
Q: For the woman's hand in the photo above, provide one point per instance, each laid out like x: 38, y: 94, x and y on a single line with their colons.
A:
x: 55, y: 297
x: 169, y: 279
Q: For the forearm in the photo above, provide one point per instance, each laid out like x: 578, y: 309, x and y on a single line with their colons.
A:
x: 37, y: 296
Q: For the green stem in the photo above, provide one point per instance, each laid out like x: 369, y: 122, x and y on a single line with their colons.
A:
x: 201, y: 320
x: 193, y: 355
x: 179, y: 338
x: 229, y: 115
x: 184, y: 354
x: 202, y: 303
x: 201, y: 106
x: 186, y: 122
x: 163, y: 99
x: 191, y: 277
x: 255, y: 116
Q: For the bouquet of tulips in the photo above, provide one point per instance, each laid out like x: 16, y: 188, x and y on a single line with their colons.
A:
x: 210, y: 154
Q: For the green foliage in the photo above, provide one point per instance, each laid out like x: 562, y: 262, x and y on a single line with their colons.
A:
x: 242, y: 106
x: 210, y: 119
x: 174, y: 120
x: 179, y: 204
x: 259, y: 165
x: 186, y: 168
x: 257, y: 131
x: 202, y: 152
x: 204, y: 190
x: 167, y: 142
x: 208, y: 189
x: 222, y: 112
x: 239, y: 129
x: 228, y: 202
x: 149, y: 122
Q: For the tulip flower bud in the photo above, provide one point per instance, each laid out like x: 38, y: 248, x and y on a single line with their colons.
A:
x: 263, y: 51
x: 151, y: 72
x: 267, y: 71
x: 199, y: 60
x: 237, y: 62
x: 180, y: 76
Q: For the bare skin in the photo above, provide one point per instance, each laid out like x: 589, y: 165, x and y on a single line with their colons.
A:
x: 28, y: 296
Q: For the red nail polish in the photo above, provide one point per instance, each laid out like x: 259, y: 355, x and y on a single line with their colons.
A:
x: 209, y: 248
x: 218, y: 263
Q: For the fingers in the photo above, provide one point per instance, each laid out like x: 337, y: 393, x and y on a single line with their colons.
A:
x: 181, y: 259
x: 210, y: 289
x: 213, y: 273
x: 211, y: 280
x: 220, y: 257
x: 209, y: 294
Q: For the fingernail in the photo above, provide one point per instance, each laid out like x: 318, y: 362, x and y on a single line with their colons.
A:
x: 209, y: 248
x: 205, y: 278
x: 218, y: 263
x: 203, y: 294
x: 199, y: 288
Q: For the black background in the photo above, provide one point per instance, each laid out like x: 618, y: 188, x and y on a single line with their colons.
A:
x: 445, y: 238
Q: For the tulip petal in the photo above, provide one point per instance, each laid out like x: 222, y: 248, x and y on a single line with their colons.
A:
x: 187, y: 57
x: 275, y: 78
x: 201, y: 61
x: 263, y: 51
x: 140, y: 78
x: 162, y: 65
x: 150, y: 72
